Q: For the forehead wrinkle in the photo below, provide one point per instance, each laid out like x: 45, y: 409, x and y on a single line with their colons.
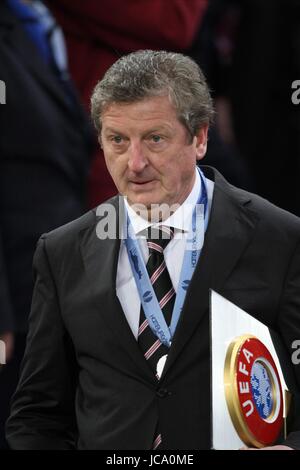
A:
x: 147, y: 109
x: 139, y: 127
x: 141, y: 117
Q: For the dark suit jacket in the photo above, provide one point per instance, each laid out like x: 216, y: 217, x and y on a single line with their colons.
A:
x: 45, y: 145
x: 82, y: 359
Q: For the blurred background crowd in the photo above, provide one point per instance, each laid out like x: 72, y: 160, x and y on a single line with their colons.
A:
x: 52, y: 54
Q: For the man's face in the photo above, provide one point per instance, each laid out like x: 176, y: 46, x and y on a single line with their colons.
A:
x: 148, y: 151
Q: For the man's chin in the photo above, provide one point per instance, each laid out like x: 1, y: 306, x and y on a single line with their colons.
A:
x: 143, y: 200
x: 155, y: 209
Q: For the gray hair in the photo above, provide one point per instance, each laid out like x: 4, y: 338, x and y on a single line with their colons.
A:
x: 145, y: 74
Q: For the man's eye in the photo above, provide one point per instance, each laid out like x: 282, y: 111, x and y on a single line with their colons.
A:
x: 156, y: 138
x: 117, y: 139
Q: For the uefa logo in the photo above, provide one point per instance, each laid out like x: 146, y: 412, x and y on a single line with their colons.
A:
x: 253, y: 392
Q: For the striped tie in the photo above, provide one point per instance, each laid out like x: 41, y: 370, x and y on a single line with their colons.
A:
x: 162, y: 285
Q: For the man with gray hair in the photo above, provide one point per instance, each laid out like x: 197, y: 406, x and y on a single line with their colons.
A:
x: 118, y: 353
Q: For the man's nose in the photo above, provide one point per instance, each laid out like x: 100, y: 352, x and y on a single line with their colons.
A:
x: 137, y: 160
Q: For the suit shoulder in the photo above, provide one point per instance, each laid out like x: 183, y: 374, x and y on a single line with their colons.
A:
x: 270, y: 215
x: 69, y: 232
x: 71, y: 229
x: 276, y: 214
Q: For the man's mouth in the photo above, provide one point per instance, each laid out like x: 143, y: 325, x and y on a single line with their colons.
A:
x: 141, y: 182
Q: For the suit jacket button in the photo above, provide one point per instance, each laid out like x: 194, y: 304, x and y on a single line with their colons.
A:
x: 162, y: 393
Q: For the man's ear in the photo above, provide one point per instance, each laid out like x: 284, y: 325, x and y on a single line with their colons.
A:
x: 201, y: 142
x: 100, y: 141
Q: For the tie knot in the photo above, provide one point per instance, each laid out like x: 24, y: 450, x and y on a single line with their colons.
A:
x: 158, y: 238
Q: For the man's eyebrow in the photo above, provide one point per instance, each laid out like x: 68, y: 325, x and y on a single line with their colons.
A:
x: 162, y: 128
x: 155, y: 129
x: 108, y: 130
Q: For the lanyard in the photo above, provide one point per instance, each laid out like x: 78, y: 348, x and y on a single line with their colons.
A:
x: 192, y: 253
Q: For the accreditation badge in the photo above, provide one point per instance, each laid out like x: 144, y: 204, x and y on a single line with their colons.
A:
x: 253, y: 391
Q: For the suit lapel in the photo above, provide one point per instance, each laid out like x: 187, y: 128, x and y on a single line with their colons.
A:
x: 230, y: 230
x: 101, y: 262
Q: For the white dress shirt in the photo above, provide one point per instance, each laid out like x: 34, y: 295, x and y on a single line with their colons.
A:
x: 180, y: 220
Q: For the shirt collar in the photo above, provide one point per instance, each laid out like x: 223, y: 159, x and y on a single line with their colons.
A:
x: 180, y: 220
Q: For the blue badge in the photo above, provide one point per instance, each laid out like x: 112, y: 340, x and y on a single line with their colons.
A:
x: 147, y: 296
x: 185, y: 284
